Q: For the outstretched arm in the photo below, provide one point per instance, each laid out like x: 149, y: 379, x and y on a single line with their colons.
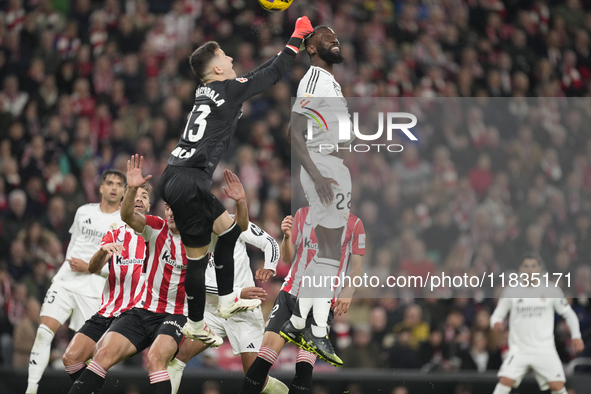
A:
x: 563, y: 308
x: 286, y: 248
x: 261, y: 67
x: 345, y: 297
x: 235, y: 191
x: 134, y: 219
x: 500, y: 313
x: 241, y: 89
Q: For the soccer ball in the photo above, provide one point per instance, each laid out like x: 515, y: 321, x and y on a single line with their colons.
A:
x: 275, y: 5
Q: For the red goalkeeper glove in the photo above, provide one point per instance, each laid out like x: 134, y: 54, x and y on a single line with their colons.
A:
x: 303, y: 28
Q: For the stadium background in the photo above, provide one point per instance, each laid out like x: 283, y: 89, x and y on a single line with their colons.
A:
x: 86, y: 83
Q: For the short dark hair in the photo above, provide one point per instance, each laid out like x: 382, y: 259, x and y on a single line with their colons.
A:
x: 111, y: 171
x: 201, y: 57
x: 534, y: 256
x: 309, y: 36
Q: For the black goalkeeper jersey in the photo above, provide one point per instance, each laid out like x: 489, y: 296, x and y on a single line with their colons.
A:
x: 218, y: 106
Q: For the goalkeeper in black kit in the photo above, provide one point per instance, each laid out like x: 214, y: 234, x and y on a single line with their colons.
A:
x: 186, y: 182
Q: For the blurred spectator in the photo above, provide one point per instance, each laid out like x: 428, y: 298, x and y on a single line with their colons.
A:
x: 442, y: 235
x: 14, y: 99
x: 24, y: 334
x: 418, y: 264
x: 362, y: 353
x: 38, y: 281
x: 481, y: 176
x: 478, y: 357
x: 414, y: 173
x: 413, y: 323
x: 16, y: 218
x: 433, y: 352
x: 402, y: 354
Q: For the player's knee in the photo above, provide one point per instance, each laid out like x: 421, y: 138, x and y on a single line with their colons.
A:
x: 106, y: 357
x: 157, y: 360
x: 273, y: 340
x: 68, y: 358
x: 556, y: 386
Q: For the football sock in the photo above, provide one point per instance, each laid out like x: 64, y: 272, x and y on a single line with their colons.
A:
x: 223, y: 258
x: 303, y: 306
x: 258, y: 371
x: 302, y: 381
x: 502, y: 389
x: 39, y: 357
x: 175, y: 371
x: 305, y: 300
x: 195, y: 287
x: 321, y: 305
x: 74, y: 371
x: 275, y: 386
x: 160, y: 382
x: 91, y: 380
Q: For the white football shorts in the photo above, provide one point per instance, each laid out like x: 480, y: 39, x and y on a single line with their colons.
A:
x: 547, y: 367
x: 61, y: 304
x: 244, y: 330
x: 336, y: 214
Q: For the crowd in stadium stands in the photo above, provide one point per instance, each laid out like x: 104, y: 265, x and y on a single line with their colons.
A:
x: 84, y: 84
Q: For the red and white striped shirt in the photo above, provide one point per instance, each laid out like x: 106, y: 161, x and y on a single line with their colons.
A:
x: 125, y: 284
x: 304, y: 239
x: 166, y: 265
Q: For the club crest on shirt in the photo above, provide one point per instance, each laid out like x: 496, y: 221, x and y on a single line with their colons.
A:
x: 113, y: 226
x: 242, y: 80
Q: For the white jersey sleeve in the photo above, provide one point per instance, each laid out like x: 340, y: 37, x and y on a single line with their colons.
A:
x: 262, y: 240
x: 243, y: 276
x: 502, y: 310
x: 563, y: 308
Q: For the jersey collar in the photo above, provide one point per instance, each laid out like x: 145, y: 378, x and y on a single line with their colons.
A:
x: 323, y: 70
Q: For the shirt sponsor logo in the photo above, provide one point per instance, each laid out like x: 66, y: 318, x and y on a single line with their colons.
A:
x: 121, y: 261
x: 309, y: 244
x: 168, y: 260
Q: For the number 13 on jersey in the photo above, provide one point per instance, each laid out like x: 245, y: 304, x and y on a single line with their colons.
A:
x: 198, y: 118
x: 191, y: 133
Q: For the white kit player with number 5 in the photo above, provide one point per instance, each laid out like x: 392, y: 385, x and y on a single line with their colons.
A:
x: 75, y: 293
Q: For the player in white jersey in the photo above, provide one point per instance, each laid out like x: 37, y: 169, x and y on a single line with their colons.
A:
x: 125, y: 252
x: 245, y: 330
x: 319, y: 105
x: 531, y: 331
x: 299, y: 246
x: 75, y: 293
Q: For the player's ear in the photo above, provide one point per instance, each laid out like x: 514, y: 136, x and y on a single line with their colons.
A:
x: 311, y: 49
